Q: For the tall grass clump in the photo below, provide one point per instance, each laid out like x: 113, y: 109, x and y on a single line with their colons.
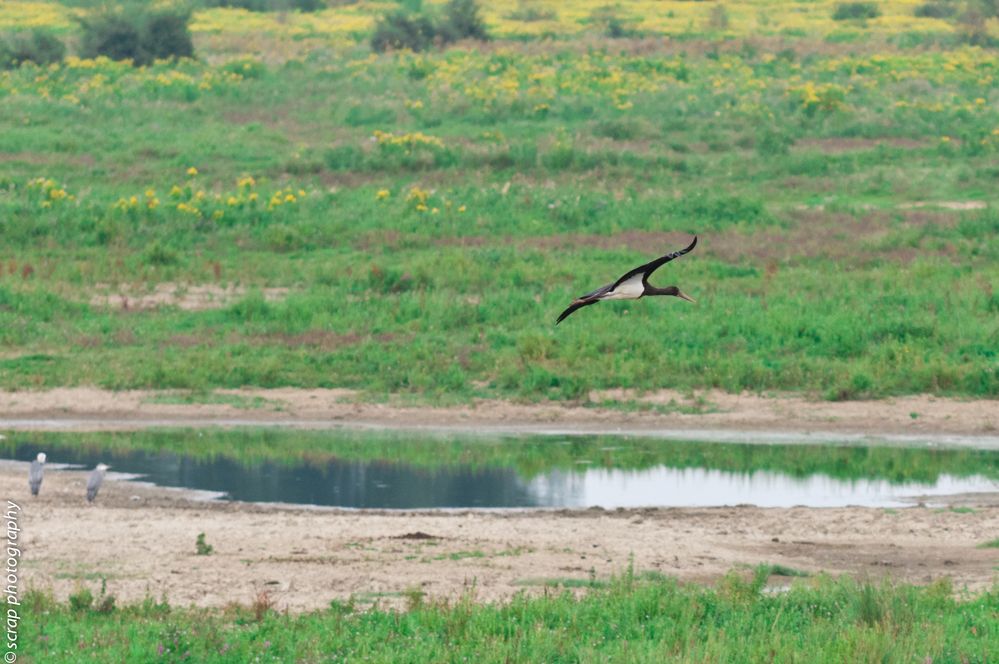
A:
x: 846, y: 11
x: 140, y: 33
x: 38, y: 46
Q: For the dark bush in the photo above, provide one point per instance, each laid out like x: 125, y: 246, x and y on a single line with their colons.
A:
x: 38, y: 46
x: 269, y: 5
x: 167, y: 36
x: 400, y: 30
x: 462, y: 20
x: 139, y: 33
x: 416, y: 31
x: 856, y: 10
x: 936, y: 10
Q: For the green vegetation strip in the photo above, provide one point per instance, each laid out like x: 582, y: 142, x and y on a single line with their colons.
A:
x: 633, y: 618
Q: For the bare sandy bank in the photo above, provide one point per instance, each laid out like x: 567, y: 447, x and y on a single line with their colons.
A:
x: 742, y: 416
x: 142, y: 540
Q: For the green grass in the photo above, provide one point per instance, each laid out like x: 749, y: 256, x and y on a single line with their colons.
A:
x: 991, y: 544
x: 812, y: 273
x: 631, y: 618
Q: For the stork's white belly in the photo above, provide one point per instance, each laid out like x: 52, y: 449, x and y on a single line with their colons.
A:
x: 631, y: 289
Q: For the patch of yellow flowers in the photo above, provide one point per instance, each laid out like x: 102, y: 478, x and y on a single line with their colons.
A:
x: 190, y: 200
x: 51, y: 193
x: 408, y: 141
x: 82, y: 81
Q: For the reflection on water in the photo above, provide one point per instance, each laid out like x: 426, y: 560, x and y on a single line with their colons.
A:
x: 409, y: 472
x: 699, y: 487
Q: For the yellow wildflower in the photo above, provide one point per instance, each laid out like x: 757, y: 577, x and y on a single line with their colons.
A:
x: 192, y: 171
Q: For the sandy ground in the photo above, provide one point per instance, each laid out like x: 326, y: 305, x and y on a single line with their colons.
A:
x: 903, y: 418
x: 142, y: 539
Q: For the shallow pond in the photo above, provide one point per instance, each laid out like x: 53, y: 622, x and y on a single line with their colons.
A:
x: 360, y: 469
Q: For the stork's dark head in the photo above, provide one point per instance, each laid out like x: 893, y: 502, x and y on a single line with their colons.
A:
x: 669, y: 290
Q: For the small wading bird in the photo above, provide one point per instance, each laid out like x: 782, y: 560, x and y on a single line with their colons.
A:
x: 94, y: 482
x: 36, y: 472
x: 631, y: 286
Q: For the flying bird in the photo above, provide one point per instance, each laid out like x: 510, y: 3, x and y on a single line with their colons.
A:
x: 631, y: 286
x: 94, y: 482
x: 36, y: 472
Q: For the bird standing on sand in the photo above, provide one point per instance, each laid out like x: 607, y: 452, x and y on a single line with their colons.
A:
x: 36, y: 472
x: 631, y: 286
x: 94, y: 482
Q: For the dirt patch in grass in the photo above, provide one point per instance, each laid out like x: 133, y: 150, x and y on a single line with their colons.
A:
x: 814, y: 233
x: 142, y: 539
x: 47, y: 158
x: 185, y: 297
x: 946, y: 205
x: 837, y: 145
x: 318, y: 339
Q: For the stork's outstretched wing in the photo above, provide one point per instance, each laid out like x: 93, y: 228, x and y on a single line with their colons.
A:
x: 577, y: 304
x: 652, y: 266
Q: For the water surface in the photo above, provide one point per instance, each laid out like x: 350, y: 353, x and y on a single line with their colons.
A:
x: 413, y: 470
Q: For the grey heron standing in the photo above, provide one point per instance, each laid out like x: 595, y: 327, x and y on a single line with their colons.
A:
x: 94, y: 482
x: 36, y: 472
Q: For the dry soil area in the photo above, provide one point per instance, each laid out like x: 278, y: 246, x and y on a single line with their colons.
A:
x: 668, y: 413
x: 142, y: 540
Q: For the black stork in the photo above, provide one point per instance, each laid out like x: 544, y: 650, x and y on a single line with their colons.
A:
x: 631, y: 286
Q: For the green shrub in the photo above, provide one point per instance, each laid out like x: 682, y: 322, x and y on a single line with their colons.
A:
x: 462, y: 20
x: 416, y: 31
x: 38, y: 46
x: 856, y: 10
x: 402, y: 30
x: 81, y: 600
x: 138, y: 33
x: 936, y: 9
x: 203, y: 548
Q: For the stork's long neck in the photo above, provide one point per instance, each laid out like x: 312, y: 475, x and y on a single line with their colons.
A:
x: 669, y: 290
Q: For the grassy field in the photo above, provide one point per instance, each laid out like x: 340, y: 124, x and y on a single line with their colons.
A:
x: 632, y: 618
x: 291, y: 209
x: 424, y: 217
